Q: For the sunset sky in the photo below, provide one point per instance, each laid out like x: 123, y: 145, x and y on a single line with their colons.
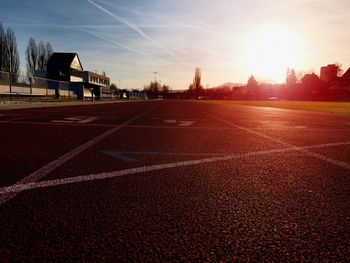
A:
x: 228, y: 39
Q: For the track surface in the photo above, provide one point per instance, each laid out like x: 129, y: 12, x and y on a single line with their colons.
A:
x: 173, y: 181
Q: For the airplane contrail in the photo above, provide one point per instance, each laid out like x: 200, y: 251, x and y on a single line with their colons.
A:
x: 115, y: 42
x: 132, y: 26
x: 174, y: 25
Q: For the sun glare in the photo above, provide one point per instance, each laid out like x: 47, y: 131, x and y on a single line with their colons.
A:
x: 270, y: 52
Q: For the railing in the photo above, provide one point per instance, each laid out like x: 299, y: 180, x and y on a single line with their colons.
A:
x: 24, y: 85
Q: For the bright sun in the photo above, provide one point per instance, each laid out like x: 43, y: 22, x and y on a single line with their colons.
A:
x: 270, y: 52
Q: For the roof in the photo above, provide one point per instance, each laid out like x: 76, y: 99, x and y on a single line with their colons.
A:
x: 346, y: 75
x: 62, y: 60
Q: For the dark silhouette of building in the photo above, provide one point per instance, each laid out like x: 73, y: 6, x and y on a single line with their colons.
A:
x: 329, y: 72
x: 313, y: 87
x: 65, y: 67
x: 346, y: 77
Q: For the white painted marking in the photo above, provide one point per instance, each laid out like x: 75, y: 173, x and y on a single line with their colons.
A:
x: 179, y: 127
x: 168, y: 153
x: 170, y: 121
x: 43, y: 171
x: 315, y: 155
x: 76, y: 119
x: 19, y: 187
x: 177, y: 117
x: 185, y: 123
x: 281, y: 124
x: 180, y: 123
x: 274, y: 123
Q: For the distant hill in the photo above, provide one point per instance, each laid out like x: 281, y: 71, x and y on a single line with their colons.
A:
x: 229, y: 84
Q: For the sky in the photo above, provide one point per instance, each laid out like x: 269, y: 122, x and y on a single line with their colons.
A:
x: 229, y: 40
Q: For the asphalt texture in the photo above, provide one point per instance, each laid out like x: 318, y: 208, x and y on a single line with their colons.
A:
x: 174, y: 181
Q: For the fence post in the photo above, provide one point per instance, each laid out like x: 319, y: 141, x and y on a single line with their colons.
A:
x: 31, y: 85
x: 10, y: 85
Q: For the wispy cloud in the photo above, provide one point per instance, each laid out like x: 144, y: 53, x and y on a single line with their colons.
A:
x: 132, y: 26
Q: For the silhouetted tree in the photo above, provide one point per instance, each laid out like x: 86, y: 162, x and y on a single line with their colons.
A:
x: 252, y: 88
x: 48, y: 53
x: 252, y: 83
x: 41, y: 56
x: 165, y: 89
x: 12, y: 62
x: 152, y: 88
x: 31, y: 56
x: 2, y: 47
x: 291, y: 78
x: 113, y: 88
x: 37, y: 56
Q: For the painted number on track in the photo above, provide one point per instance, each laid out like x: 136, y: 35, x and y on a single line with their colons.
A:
x: 77, y: 119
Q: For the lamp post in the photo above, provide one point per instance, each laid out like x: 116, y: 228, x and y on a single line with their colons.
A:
x: 155, y: 83
x: 155, y: 76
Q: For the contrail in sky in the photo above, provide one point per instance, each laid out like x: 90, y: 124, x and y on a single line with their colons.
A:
x: 115, y: 42
x: 175, y: 22
x: 132, y: 26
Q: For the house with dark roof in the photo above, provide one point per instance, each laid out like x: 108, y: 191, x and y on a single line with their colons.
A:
x: 65, y: 67
x: 346, y: 77
x: 329, y: 72
x: 335, y: 87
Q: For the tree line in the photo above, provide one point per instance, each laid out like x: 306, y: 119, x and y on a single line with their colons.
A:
x: 154, y: 89
x: 297, y: 86
x: 9, y: 57
x: 36, y: 55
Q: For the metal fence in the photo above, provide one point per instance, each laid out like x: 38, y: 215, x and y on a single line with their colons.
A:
x: 34, y: 86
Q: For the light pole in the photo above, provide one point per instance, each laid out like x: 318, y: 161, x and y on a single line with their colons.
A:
x: 155, y: 81
x: 119, y: 84
x: 155, y: 76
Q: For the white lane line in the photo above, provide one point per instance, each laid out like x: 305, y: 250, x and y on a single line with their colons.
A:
x: 77, y: 119
x: 129, y: 126
x: 43, y: 171
x: 169, y: 153
x: 180, y: 127
x: 17, y: 188
x: 315, y: 155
